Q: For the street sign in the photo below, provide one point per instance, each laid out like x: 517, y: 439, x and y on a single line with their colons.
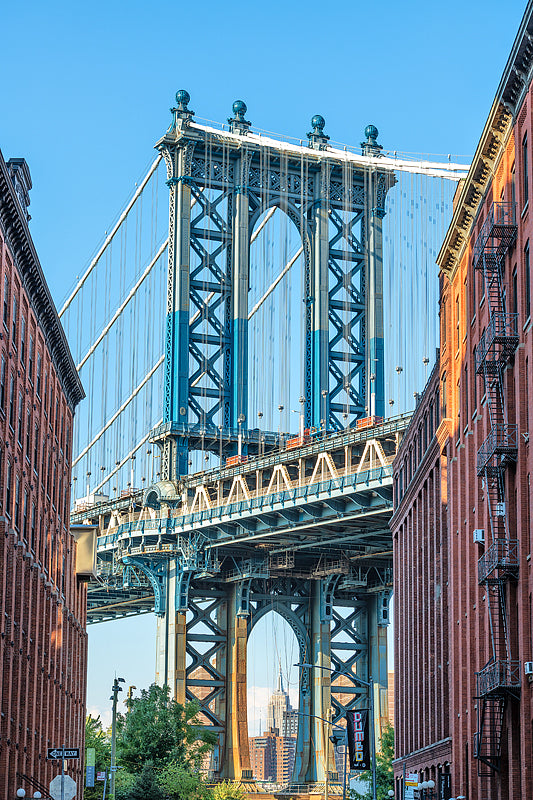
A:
x: 65, y: 792
x: 90, y: 766
x: 60, y: 752
x: 100, y: 776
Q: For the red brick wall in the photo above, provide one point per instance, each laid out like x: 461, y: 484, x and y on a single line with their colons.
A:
x: 419, y: 532
x: 42, y: 607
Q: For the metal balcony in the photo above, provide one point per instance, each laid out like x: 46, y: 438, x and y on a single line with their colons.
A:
x: 498, y: 343
x: 498, y: 677
x: 502, y: 441
x: 502, y: 555
x: 498, y: 232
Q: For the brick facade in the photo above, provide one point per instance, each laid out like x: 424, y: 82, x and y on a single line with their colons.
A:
x: 485, y: 709
x: 43, y: 640
x: 419, y: 528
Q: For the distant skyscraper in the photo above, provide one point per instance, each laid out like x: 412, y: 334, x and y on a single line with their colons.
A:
x: 282, y: 719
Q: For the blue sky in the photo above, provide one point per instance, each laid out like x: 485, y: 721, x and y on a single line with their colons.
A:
x: 87, y: 88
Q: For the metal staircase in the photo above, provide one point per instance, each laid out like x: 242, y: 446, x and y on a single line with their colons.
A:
x: 499, y: 680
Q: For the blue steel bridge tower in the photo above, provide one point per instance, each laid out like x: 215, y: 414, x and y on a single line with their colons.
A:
x: 220, y: 183
x: 302, y: 532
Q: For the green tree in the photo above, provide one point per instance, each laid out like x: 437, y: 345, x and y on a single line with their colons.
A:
x: 384, y: 770
x: 228, y: 791
x: 160, y: 730
x: 179, y: 783
x: 145, y: 786
x: 96, y: 737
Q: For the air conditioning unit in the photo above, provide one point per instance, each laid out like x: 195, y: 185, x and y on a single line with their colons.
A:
x: 528, y: 667
x: 479, y: 536
x: 500, y: 509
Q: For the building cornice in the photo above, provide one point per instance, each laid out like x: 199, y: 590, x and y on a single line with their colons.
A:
x: 20, y: 243
x: 498, y: 128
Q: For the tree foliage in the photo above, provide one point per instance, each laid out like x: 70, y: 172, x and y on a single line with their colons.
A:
x: 228, y: 791
x: 179, y: 783
x: 96, y: 737
x: 145, y: 786
x: 384, y: 769
x: 159, y: 730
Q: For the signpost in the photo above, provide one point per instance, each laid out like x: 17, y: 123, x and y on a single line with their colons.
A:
x: 54, y: 753
x: 90, y: 766
x: 63, y: 787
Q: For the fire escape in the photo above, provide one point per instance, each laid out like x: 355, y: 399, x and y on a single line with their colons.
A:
x: 499, y: 681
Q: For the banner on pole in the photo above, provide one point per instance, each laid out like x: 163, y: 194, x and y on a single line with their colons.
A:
x: 357, y: 723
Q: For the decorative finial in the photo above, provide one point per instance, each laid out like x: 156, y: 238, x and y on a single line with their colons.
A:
x: 238, y: 123
x: 317, y: 138
x: 371, y: 147
x: 182, y: 111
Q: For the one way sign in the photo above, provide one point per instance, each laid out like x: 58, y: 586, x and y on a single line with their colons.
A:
x: 63, y: 752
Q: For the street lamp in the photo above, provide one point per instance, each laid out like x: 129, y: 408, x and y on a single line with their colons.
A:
x: 370, y: 685
x: 240, y: 420
x: 114, y: 697
x: 391, y: 792
x: 333, y: 738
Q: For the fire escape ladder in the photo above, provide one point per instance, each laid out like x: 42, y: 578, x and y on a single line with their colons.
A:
x: 499, y: 680
x: 487, y: 742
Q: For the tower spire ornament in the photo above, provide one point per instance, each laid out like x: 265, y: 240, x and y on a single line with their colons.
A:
x: 238, y: 123
x: 371, y: 146
x: 182, y: 113
x: 317, y: 138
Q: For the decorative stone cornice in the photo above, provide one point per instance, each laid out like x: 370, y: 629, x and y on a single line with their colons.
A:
x: 18, y: 238
x: 509, y: 97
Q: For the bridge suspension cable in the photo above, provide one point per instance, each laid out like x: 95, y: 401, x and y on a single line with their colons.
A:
x: 109, y: 238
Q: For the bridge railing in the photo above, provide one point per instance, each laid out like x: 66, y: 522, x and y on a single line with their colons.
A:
x: 262, y: 503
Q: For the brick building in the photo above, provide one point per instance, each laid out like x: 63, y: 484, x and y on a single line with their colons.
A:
x: 483, y: 446
x: 419, y: 527
x: 272, y: 757
x: 42, y: 601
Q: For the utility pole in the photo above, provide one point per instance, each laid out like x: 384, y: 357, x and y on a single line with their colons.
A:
x: 114, y: 697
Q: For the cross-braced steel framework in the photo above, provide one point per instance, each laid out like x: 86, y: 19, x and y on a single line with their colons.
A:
x: 220, y: 185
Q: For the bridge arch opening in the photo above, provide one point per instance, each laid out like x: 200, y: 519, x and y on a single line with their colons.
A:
x: 272, y: 683
x: 276, y: 341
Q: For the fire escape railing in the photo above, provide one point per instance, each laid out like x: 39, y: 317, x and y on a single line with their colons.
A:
x: 499, y: 680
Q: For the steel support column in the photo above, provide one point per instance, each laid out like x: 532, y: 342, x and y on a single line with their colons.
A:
x: 320, y: 300
x: 241, y: 261
x: 377, y: 668
x: 375, y: 354
x: 171, y: 637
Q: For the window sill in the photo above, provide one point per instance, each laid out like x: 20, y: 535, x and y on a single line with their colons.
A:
x: 472, y: 321
x: 525, y: 209
x: 527, y: 325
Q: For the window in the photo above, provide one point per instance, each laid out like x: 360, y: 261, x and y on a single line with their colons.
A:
x: 443, y: 324
x: 474, y: 380
x: 17, y: 503
x: 9, y: 478
x: 56, y: 425
x: 45, y: 393
x: 12, y: 402
x: 36, y: 448
x: 525, y: 171
x: 25, y: 516
x: 20, y: 423
x: 527, y: 278
x: 32, y: 527
x: 3, y: 384
x: 28, y: 433
x: 23, y: 341
x: 527, y: 404
x: 466, y: 393
x: 473, y: 281
x: 39, y: 374
x: 443, y: 393
x: 14, y: 323
x: 457, y: 311
x: 30, y: 359
x: 67, y: 443
x: 6, y: 300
